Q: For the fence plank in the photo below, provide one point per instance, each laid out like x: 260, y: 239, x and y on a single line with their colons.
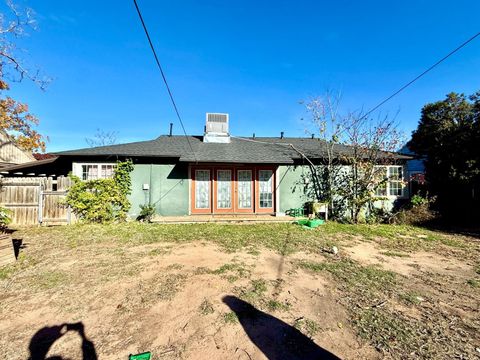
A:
x: 32, y: 198
x: 7, y: 253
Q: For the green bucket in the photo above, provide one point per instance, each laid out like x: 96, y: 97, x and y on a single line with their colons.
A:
x: 302, y: 221
x: 313, y: 223
x: 143, y: 356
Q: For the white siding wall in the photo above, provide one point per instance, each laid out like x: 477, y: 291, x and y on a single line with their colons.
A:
x: 11, y: 153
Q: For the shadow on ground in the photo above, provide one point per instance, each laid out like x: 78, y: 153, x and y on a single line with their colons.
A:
x: 275, y: 338
x: 44, y: 338
x: 17, y: 246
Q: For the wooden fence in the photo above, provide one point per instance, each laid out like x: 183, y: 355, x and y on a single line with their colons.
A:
x: 36, y: 200
x: 7, y: 252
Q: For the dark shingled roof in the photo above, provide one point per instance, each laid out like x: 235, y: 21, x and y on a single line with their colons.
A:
x: 239, y: 150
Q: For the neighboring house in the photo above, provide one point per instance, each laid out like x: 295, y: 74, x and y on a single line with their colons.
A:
x: 415, y: 171
x: 415, y: 165
x: 10, y: 153
x: 211, y: 174
x: 40, y: 156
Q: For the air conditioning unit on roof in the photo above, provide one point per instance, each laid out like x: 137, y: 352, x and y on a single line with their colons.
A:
x: 216, y: 128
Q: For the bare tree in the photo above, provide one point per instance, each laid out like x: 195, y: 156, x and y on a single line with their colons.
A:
x: 372, y: 143
x: 326, y: 122
x: 12, y: 27
x: 102, y: 138
x: 349, y: 177
x: 15, y: 118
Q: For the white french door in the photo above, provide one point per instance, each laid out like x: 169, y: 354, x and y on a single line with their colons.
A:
x: 245, y: 195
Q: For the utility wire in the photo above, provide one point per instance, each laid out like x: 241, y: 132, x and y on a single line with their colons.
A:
x: 164, y: 78
x: 419, y: 76
x: 290, y: 145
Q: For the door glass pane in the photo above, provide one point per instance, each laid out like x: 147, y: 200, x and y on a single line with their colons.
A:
x: 202, y: 189
x: 244, y: 189
x: 224, y: 189
x: 266, y: 188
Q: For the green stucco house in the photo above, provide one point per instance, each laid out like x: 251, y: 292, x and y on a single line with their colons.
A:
x: 215, y: 173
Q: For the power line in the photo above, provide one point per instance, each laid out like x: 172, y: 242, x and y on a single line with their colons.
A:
x: 419, y: 76
x: 290, y: 145
x: 164, y: 78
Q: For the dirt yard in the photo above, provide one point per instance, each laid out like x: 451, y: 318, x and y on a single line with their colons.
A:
x: 241, y: 292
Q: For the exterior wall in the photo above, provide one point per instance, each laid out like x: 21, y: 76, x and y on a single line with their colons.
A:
x: 294, y: 192
x: 167, y: 189
x: 291, y: 189
x: 11, y: 153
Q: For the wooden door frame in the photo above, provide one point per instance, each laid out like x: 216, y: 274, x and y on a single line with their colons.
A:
x: 193, y: 209
x: 212, y: 198
x: 258, y: 209
x: 251, y: 209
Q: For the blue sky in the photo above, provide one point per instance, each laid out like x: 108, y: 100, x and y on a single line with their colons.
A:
x: 253, y: 59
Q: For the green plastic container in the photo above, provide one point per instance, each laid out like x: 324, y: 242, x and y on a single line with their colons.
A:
x: 296, y: 212
x: 143, y: 356
x: 313, y: 223
x: 302, y: 221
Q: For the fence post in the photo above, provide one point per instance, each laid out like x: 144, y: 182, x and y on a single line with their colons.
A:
x: 40, y: 204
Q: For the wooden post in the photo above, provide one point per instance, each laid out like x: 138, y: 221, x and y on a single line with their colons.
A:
x: 40, y: 204
x: 69, y: 215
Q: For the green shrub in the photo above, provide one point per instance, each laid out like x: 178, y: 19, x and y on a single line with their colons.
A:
x: 146, y: 212
x: 378, y: 216
x: 5, y: 218
x: 418, y: 200
x: 102, y: 200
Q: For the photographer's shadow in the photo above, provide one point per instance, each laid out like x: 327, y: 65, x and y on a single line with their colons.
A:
x: 275, y: 338
x: 44, y: 338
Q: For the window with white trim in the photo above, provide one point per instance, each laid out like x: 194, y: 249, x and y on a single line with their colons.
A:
x: 91, y: 171
x: 391, y: 178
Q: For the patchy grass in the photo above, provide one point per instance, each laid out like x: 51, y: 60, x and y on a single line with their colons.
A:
x: 392, y: 253
x: 166, y: 289
x: 162, y: 287
x: 367, y: 292
x: 6, y: 271
x: 116, y: 270
x: 308, y: 326
x: 474, y: 283
x: 254, y: 294
x: 174, y: 267
x: 230, y: 318
x: 206, y: 307
x: 233, y: 271
x: 289, y: 238
x: 275, y: 305
x: 23, y: 262
x: 257, y: 294
x: 365, y: 279
x: 159, y: 251
x: 50, y: 279
x: 411, y: 297
x: 387, y: 332
x: 399, y: 237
